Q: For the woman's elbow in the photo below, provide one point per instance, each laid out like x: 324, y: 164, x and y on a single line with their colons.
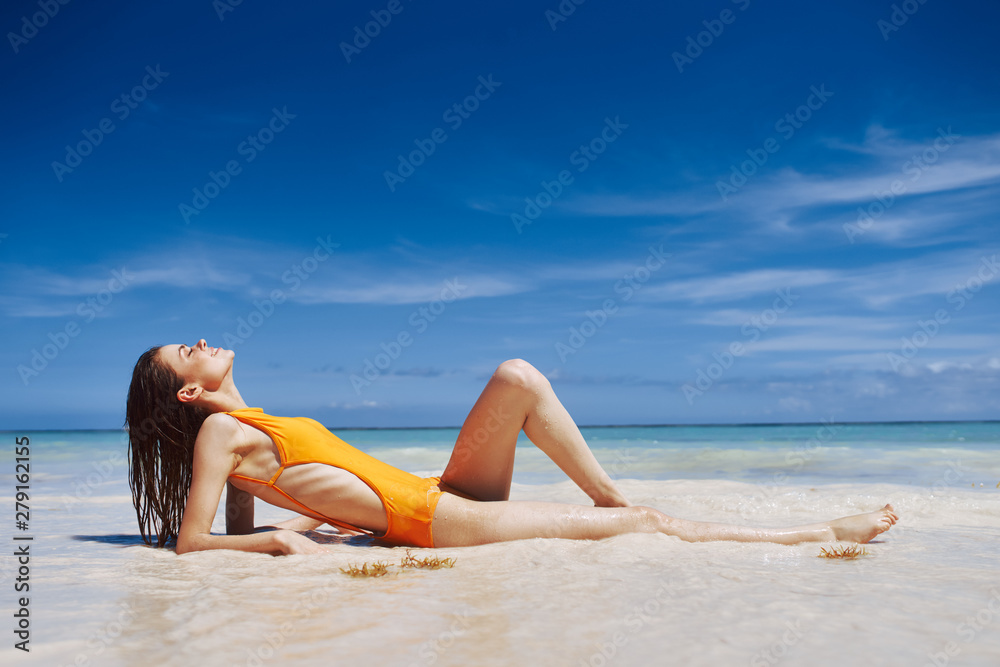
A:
x: 186, y: 545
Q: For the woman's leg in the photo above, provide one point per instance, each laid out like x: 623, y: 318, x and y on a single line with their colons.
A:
x: 519, y: 397
x: 461, y: 522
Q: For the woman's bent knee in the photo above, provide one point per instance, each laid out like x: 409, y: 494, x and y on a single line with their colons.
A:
x: 520, y: 373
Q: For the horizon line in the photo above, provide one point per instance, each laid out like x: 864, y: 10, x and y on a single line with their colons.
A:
x: 676, y: 425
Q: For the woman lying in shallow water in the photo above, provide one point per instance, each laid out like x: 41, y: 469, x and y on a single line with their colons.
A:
x: 191, y: 435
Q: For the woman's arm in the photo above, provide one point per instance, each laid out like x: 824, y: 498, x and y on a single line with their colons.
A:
x: 214, y: 459
x: 239, y: 511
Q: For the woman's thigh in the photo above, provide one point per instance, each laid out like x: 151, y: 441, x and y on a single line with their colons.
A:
x: 482, y: 461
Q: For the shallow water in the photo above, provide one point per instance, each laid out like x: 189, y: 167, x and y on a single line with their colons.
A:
x: 927, y: 593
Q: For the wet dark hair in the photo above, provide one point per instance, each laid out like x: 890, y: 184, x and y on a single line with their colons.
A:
x: 161, y: 436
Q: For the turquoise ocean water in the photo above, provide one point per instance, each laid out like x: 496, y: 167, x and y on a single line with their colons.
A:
x: 899, y: 448
x: 919, y: 453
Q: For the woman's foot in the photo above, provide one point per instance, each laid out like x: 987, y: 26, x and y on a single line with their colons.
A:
x: 863, y: 528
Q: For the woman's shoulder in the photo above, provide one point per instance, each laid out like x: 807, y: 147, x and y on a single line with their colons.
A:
x: 219, y: 426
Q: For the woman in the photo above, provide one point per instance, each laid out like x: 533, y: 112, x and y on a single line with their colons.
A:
x: 191, y: 434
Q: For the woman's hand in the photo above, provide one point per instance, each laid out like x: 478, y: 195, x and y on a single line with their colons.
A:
x: 291, y: 542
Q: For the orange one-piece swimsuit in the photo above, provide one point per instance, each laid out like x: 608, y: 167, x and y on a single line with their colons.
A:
x: 409, y: 500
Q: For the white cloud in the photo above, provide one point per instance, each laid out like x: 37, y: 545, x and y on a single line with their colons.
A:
x: 774, y: 201
x: 794, y: 404
x: 813, y: 342
x: 733, y: 317
x: 416, y: 290
x: 247, y: 269
x: 877, y: 286
x: 357, y: 406
x: 738, y: 285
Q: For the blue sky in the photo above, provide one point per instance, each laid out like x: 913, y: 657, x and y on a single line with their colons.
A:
x: 713, y: 213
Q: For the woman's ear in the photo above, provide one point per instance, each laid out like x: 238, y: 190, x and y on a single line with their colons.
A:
x: 188, y: 393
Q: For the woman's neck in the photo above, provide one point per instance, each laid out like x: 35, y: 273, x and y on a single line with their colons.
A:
x: 217, y: 403
x: 225, y: 399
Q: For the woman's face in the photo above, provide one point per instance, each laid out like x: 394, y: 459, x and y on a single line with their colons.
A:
x: 198, y: 364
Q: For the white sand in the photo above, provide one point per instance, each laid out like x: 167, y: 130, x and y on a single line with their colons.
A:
x: 631, y: 600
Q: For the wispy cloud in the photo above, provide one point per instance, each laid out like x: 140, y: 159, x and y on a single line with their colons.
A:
x: 875, y: 286
x: 739, y: 285
x: 734, y: 317
x: 813, y: 342
x: 416, y: 290
x: 90, y: 280
x: 245, y: 269
x: 969, y: 161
